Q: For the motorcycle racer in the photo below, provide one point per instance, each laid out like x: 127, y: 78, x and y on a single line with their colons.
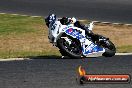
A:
x: 73, y: 20
x: 66, y: 21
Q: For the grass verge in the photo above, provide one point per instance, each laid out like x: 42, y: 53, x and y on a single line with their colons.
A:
x: 23, y: 36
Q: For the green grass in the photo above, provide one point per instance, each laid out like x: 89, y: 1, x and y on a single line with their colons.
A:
x: 11, y: 24
x: 24, y: 36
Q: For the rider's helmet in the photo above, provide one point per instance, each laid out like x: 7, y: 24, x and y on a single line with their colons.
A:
x: 64, y: 21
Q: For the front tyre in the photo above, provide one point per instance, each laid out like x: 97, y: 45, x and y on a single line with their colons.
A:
x: 110, y: 49
x: 69, y: 46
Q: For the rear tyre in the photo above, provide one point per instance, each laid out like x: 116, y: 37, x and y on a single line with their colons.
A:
x: 72, y: 49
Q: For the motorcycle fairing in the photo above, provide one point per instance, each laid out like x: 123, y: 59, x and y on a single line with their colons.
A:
x: 74, y: 33
x: 88, y: 47
x: 92, y: 48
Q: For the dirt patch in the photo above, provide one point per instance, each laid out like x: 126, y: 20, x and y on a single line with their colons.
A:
x: 121, y: 35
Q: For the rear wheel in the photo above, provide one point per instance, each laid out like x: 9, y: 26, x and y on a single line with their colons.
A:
x: 69, y: 46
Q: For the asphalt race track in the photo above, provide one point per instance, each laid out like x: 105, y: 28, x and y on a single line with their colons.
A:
x: 40, y: 72
x: 101, y: 10
x: 53, y: 72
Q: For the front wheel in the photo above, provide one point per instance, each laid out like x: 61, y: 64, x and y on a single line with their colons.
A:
x: 104, y: 42
x: 110, y: 49
x: 69, y: 46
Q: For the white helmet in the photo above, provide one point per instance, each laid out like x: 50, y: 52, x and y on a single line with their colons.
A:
x: 73, y: 20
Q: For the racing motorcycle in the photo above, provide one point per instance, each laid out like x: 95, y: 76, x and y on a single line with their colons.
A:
x: 74, y: 42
